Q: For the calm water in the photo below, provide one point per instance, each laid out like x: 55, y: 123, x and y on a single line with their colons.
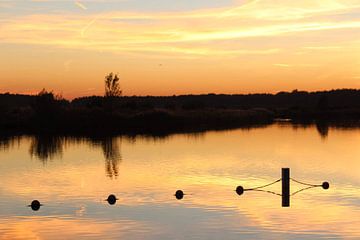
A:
x: 73, y: 176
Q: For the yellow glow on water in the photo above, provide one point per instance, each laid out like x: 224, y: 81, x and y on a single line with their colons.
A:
x: 34, y: 228
x: 73, y: 186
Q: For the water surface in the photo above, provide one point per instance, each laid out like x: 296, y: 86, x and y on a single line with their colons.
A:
x: 72, y: 177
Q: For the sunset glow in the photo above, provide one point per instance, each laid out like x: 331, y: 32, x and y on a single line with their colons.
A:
x: 160, y: 48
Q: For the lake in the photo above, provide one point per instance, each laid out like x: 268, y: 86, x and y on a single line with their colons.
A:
x: 73, y: 176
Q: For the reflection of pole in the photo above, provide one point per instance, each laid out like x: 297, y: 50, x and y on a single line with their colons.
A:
x: 285, y: 177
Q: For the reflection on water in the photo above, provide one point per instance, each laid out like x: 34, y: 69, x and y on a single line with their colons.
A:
x: 49, y: 147
x: 7, y: 141
x: 323, y: 128
x: 46, y: 147
x: 144, y: 173
x: 111, y: 150
x: 286, y: 181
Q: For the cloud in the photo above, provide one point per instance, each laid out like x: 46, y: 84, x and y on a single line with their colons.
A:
x: 6, y: 5
x: 80, y: 5
x: 197, y: 33
x: 83, y: 30
x: 282, y: 65
x: 324, y: 47
x: 285, y: 65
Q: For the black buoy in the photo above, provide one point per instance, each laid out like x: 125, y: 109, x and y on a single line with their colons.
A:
x: 35, y: 205
x: 239, y: 190
x: 325, y: 185
x: 111, y: 199
x: 179, y: 194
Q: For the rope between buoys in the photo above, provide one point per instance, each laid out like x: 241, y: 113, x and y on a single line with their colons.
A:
x: 248, y: 189
x: 260, y: 190
x: 307, y: 184
x: 303, y: 189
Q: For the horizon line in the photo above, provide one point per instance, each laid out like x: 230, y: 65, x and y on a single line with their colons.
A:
x: 188, y: 94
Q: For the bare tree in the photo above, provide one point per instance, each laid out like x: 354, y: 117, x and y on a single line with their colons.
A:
x: 112, y: 86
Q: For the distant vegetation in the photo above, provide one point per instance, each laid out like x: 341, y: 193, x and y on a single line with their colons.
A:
x: 112, y: 85
x: 113, y: 113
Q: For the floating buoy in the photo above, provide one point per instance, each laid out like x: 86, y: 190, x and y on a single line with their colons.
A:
x: 111, y: 199
x: 239, y: 190
x: 35, y: 205
x: 325, y: 185
x: 179, y: 194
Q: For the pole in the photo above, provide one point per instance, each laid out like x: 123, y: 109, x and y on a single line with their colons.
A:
x: 285, y: 179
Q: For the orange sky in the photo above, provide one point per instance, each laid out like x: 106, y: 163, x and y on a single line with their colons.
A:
x: 188, y: 47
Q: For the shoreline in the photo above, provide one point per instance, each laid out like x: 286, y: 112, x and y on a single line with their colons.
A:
x: 46, y: 113
x: 167, y: 124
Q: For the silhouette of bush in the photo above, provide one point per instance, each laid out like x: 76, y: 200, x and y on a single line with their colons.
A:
x: 45, y: 104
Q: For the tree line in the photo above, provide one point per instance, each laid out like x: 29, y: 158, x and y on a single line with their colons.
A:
x: 114, y: 112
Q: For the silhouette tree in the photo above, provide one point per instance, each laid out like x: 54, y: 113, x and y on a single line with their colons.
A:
x: 112, y: 86
x: 45, y: 101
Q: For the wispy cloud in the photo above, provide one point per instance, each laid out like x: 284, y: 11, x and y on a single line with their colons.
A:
x: 83, y: 30
x: 324, y: 47
x: 302, y: 65
x: 197, y: 32
x: 80, y: 5
x: 282, y: 65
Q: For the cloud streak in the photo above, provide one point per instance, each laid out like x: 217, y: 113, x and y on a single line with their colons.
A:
x: 200, y: 32
x: 80, y: 5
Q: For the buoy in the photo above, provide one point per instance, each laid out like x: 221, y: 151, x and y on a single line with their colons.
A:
x: 179, y: 194
x: 111, y: 199
x: 239, y: 190
x: 325, y: 185
x: 35, y: 205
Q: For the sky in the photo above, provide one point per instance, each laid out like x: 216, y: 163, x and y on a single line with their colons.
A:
x: 161, y: 47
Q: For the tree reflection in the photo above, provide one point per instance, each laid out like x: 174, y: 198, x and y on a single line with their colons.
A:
x: 46, y: 147
x: 112, y: 155
x: 323, y: 129
x: 5, y: 142
x: 111, y: 150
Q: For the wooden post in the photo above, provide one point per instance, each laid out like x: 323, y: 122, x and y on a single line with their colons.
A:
x: 285, y: 178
